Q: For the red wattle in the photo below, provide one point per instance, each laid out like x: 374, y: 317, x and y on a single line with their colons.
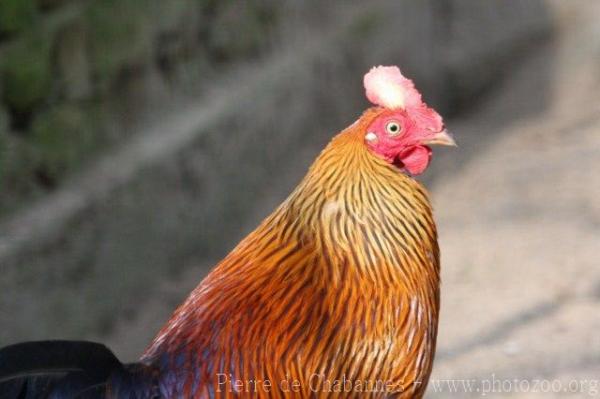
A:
x: 416, y: 159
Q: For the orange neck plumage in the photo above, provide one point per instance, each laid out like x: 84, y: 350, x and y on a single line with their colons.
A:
x: 341, y: 280
x: 350, y: 203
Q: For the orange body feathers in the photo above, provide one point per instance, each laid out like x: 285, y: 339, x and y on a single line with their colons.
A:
x: 336, y: 291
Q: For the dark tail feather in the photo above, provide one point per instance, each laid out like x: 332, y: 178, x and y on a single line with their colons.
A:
x: 56, y: 370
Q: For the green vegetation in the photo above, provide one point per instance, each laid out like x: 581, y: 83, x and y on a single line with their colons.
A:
x: 26, y: 73
x: 62, y: 138
x: 16, y: 15
x: 62, y: 65
x: 119, y: 37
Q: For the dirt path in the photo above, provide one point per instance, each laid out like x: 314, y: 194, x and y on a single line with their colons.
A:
x: 520, y: 232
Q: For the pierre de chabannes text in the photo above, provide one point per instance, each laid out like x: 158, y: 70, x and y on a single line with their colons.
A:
x: 315, y: 383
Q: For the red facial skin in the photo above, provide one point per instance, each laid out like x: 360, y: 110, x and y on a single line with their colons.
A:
x: 406, y: 149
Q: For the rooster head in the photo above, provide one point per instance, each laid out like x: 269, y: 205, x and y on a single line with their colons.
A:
x: 404, y: 126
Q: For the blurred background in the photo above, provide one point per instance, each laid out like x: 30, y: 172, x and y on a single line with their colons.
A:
x: 141, y: 139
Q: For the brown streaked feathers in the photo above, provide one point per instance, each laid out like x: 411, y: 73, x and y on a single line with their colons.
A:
x: 340, y: 282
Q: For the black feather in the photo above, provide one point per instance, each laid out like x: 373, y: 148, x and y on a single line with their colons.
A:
x: 56, y: 370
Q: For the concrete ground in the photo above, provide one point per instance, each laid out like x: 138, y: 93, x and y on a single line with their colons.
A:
x: 519, y: 222
x: 520, y: 234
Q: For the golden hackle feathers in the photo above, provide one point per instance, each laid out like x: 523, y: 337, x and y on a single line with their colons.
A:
x: 341, y: 280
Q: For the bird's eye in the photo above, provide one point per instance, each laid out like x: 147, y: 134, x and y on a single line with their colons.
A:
x: 393, y: 128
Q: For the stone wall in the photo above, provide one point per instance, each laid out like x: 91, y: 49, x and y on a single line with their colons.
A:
x: 73, y: 74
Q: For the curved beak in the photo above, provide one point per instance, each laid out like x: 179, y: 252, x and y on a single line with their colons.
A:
x: 442, y: 138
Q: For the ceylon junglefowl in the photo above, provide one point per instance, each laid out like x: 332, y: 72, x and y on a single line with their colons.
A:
x: 335, y: 293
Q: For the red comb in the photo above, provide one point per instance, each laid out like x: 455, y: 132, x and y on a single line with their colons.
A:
x: 387, y: 87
